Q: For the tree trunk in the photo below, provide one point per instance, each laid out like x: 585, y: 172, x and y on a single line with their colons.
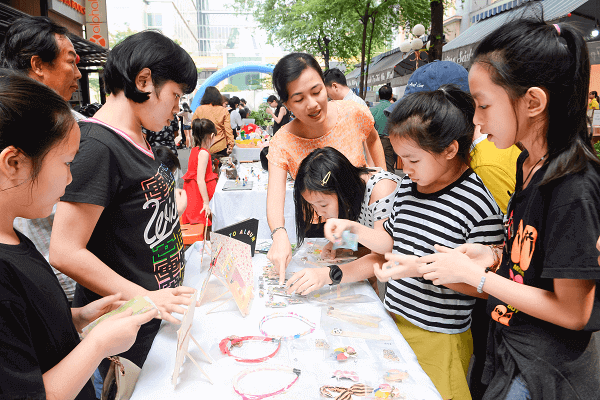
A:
x: 372, y: 18
x: 364, y: 20
x: 326, y: 42
x: 437, y: 30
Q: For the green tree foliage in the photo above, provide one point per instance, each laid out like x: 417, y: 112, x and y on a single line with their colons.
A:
x: 318, y: 27
x: 230, y: 88
x: 336, y: 29
x: 115, y: 37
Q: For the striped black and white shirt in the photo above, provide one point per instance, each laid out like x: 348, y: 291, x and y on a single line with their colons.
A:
x: 462, y: 212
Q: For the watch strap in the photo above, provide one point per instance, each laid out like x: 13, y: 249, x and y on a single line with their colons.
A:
x: 335, y: 274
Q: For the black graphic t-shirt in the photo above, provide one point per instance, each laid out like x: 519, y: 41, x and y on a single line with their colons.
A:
x: 138, y: 234
x: 551, y: 234
x: 36, y: 324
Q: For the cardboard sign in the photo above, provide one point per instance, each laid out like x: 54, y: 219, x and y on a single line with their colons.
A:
x: 232, y: 264
x: 244, y: 231
x: 596, y: 118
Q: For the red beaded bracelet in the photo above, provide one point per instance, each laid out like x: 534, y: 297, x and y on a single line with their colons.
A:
x: 226, y: 344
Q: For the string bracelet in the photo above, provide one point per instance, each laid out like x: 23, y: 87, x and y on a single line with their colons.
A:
x: 246, y: 372
x: 497, y: 258
x: 342, y: 393
x: 226, y: 344
x: 290, y: 315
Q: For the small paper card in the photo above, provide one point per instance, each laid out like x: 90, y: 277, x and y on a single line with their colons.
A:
x: 139, y: 305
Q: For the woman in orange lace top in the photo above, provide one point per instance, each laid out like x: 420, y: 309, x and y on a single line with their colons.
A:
x: 343, y: 125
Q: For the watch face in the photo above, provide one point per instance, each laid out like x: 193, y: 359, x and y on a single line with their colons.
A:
x: 335, y: 273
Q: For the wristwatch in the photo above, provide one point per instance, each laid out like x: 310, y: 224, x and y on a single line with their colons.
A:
x: 335, y: 274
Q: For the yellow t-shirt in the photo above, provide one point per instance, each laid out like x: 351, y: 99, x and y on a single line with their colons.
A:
x: 497, y: 169
x: 593, y: 105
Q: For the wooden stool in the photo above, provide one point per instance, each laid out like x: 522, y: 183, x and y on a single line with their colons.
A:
x: 192, y: 233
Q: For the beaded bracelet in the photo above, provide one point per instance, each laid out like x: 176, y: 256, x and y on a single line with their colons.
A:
x: 226, y: 344
x: 248, y: 371
x: 292, y: 315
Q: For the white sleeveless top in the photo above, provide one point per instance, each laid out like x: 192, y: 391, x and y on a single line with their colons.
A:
x: 382, y: 208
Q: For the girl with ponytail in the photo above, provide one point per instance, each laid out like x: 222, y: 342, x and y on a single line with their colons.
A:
x: 199, y: 182
x: 440, y: 200
x: 529, y: 80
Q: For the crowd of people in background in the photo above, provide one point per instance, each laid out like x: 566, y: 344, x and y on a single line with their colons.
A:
x: 487, y: 242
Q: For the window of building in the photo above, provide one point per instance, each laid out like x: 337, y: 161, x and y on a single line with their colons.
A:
x: 154, y: 21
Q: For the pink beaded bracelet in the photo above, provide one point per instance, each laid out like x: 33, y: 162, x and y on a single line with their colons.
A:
x: 249, y: 371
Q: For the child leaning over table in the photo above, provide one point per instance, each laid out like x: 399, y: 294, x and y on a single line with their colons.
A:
x: 440, y: 200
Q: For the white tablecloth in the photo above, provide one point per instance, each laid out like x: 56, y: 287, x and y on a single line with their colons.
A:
x: 233, y: 206
x: 246, y: 153
x: 316, y: 365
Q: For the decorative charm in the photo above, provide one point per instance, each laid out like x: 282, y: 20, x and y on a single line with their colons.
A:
x: 292, y: 301
x: 351, y: 375
x: 385, y: 391
x: 395, y: 375
x: 389, y: 354
x: 337, y: 331
x: 261, y: 293
x: 321, y: 344
x: 343, y: 353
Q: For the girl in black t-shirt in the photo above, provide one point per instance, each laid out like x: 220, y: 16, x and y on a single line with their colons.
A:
x: 530, y: 81
x: 281, y: 115
x: 42, y: 355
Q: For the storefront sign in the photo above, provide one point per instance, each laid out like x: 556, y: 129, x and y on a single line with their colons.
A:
x: 69, y: 8
x: 96, y: 27
x: 460, y: 55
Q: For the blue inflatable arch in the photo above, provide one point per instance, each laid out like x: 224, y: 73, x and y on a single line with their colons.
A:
x: 225, y: 73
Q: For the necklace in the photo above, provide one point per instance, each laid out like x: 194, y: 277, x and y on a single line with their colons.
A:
x: 532, y: 168
x: 229, y: 342
x: 292, y: 315
x: 246, y: 396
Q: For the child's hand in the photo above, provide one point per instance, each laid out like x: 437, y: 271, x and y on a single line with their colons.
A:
x: 334, y: 227
x: 308, y: 280
x: 398, y: 267
x: 206, y: 208
x: 83, y: 316
x: 118, y: 332
x: 450, y: 265
x: 478, y: 253
x: 327, y: 253
x: 170, y: 300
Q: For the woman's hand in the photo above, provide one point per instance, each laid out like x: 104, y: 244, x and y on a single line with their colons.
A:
x: 170, y: 300
x: 83, y: 316
x: 280, y: 253
x: 398, y: 267
x: 308, y: 280
x: 327, y: 253
x: 454, y: 265
x: 118, y: 332
x: 334, y: 227
x: 206, y: 207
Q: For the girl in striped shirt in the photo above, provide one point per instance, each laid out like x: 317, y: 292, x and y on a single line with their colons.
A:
x: 441, y: 200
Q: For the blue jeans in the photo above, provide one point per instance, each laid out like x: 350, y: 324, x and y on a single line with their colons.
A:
x: 518, y: 389
x: 98, y: 382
